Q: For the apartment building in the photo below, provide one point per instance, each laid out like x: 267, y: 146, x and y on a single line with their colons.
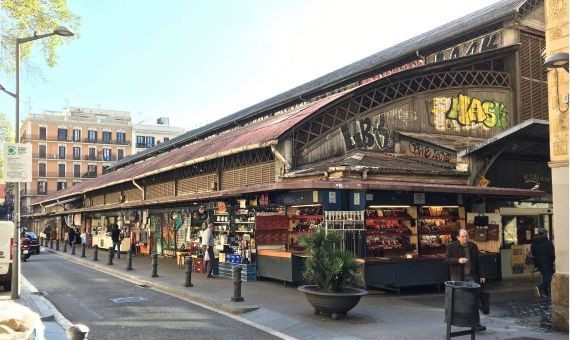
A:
x: 73, y: 146
x: 147, y: 134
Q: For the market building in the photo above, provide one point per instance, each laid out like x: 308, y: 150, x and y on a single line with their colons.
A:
x: 448, y: 129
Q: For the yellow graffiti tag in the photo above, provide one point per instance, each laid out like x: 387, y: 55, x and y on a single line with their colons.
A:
x: 467, y: 111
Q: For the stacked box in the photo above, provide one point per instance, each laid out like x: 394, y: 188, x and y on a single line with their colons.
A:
x: 248, y: 271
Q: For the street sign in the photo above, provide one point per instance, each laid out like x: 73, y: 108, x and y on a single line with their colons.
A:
x: 17, y: 162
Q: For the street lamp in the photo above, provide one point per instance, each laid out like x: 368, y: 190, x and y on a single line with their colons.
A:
x: 64, y: 32
x: 557, y: 60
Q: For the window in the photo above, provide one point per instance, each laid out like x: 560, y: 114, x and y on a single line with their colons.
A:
x: 166, y: 139
x: 61, y: 170
x: 92, y: 154
x: 141, y: 141
x: 42, y: 169
x: 61, y: 152
x: 76, y: 170
x: 61, y: 134
x: 61, y: 185
x: 120, y: 154
x: 106, y: 136
x: 76, y: 153
x: 106, y: 168
x: 43, y: 133
x: 121, y: 137
x: 42, y: 151
x: 42, y: 187
x: 92, y: 136
x: 77, y: 135
x: 106, y: 154
x: 92, y: 170
x: 149, y: 141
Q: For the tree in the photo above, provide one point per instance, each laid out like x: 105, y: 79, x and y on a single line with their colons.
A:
x: 23, y: 18
x: 6, y: 135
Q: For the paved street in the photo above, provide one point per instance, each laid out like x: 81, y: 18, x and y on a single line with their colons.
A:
x: 117, y: 309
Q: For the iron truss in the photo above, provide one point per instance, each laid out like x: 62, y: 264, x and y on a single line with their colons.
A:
x: 528, y: 6
x: 389, y: 91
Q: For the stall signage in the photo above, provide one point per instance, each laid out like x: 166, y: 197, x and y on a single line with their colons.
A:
x: 293, y: 198
x: 356, y: 198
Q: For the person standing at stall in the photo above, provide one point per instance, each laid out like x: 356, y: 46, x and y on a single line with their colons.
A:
x: 543, y: 256
x: 208, y: 242
x: 70, y: 236
x: 47, y: 232
x: 462, y: 256
x: 116, y: 238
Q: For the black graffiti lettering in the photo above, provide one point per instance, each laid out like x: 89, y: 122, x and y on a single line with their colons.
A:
x: 367, y: 137
x: 350, y: 145
x: 428, y: 152
x: 489, y: 43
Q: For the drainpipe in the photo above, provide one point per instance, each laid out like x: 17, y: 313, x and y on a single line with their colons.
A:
x: 281, y: 158
x: 140, y: 188
x: 364, y: 174
x: 43, y: 208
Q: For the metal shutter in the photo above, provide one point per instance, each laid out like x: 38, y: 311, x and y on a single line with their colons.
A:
x: 133, y: 195
x: 159, y: 190
x: 248, y: 176
x: 113, y: 197
x: 98, y: 200
x: 533, y: 78
x: 196, y: 184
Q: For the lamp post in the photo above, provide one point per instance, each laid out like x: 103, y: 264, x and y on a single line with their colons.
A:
x: 64, y: 32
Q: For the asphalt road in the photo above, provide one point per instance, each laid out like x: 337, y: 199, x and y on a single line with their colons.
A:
x: 117, y: 309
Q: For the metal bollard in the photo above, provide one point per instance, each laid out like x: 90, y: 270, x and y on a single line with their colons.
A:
x: 118, y: 251
x: 154, y: 263
x: 95, y: 251
x: 42, y: 241
x: 83, y: 250
x: 188, y: 272
x: 57, y: 244
x: 77, y: 332
x: 111, y: 251
x: 73, y: 248
x: 51, y: 244
x: 236, y: 273
x: 64, y: 246
x: 129, y: 260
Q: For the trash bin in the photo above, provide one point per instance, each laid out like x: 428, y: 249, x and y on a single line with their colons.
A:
x: 461, y: 306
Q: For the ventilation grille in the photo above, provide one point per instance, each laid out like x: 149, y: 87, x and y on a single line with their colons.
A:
x: 533, y: 78
x: 98, y: 200
x: 197, y: 184
x: 113, y: 197
x: 248, y: 176
x: 159, y: 190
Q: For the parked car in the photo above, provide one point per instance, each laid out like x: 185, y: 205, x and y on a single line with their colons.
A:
x: 34, y: 242
x: 6, y: 253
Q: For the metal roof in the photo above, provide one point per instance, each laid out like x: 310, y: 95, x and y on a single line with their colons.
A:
x: 252, y: 136
x: 481, y: 18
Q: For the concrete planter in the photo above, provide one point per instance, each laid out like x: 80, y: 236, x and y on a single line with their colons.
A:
x: 333, y: 304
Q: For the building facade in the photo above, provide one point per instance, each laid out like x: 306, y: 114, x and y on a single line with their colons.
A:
x: 73, y: 146
x: 146, y: 134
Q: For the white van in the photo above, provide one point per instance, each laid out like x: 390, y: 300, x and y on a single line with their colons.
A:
x: 6, y: 255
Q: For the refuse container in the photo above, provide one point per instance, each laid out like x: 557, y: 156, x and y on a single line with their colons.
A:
x: 461, y: 306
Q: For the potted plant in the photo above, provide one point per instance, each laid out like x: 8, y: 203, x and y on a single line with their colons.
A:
x: 333, y: 274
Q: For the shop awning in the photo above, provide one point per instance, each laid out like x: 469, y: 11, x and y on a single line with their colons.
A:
x: 529, y: 138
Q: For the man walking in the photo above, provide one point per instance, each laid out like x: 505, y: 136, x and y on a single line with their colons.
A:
x: 464, y: 265
x: 70, y: 236
x: 543, y: 256
x: 208, y: 242
x: 47, y: 232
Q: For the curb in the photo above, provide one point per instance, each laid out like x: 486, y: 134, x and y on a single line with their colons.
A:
x: 39, y: 300
x: 226, y: 307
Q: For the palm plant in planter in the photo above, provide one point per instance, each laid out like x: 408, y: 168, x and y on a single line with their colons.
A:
x: 333, y: 272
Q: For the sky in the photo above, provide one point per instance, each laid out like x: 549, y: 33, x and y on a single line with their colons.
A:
x: 198, y: 61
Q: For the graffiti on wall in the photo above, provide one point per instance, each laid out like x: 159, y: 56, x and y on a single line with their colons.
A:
x: 464, y: 112
x: 429, y: 152
x: 368, y: 135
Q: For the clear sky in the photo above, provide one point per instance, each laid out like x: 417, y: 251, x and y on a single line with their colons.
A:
x: 197, y: 61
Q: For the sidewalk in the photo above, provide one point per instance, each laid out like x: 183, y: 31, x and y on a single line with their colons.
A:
x: 283, y: 308
x: 47, y: 322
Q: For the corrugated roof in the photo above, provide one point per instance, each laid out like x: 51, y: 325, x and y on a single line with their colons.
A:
x: 249, y: 137
x: 463, y: 25
x: 450, y: 142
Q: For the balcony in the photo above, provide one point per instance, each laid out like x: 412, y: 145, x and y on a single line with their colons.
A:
x: 36, y: 174
x: 99, y: 158
x: 144, y: 145
x: 73, y: 140
x: 89, y: 175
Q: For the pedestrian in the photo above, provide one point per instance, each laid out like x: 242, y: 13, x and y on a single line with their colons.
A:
x: 71, y: 236
x: 78, y: 236
x: 208, y: 242
x: 47, y: 232
x: 542, y: 251
x: 464, y: 265
x: 116, y: 237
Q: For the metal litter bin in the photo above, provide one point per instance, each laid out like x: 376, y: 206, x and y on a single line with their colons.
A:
x: 461, y: 307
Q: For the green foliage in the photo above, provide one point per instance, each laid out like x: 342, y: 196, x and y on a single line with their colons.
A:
x: 6, y: 135
x: 330, y: 269
x: 23, y: 18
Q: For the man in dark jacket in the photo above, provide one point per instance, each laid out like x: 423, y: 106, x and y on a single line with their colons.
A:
x: 71, y: 236
x: 542, y: 251
x: 463, y: 260
x: 116, y: 238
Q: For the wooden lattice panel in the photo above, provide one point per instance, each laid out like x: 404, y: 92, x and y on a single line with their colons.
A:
x: 159, y: 190
x: 134, y: 194
x: 533, y: 78
x: 113, y: 197
x: 196, y: 184
x: 248, y: 176
x: 390, y: 91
